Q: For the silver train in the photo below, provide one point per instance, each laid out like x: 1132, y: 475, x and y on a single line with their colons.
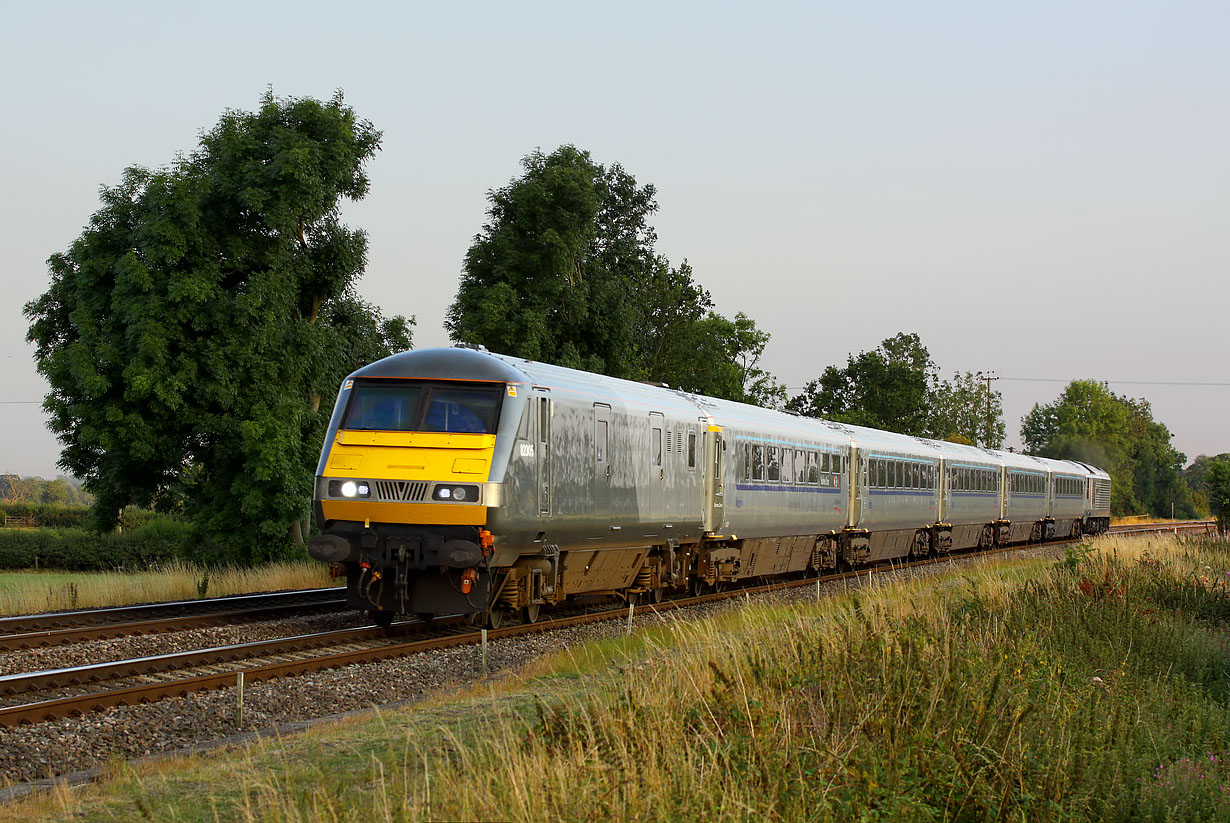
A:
x: 460, y: 481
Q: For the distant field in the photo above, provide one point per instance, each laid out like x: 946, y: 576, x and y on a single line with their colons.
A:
x: 25, y: 592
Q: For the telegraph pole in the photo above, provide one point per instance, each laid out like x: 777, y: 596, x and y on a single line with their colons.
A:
x: 988, y: 377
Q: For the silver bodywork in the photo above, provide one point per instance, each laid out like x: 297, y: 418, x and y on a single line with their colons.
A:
x: 604, y: 485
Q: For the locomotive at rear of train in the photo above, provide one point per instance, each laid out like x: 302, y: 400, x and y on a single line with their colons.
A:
x: 460, y: 481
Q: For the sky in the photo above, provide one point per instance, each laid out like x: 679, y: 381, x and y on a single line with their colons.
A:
x: 1039, y: 189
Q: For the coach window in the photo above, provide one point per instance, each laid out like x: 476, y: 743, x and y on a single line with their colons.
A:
x: 787, y: 465
x: 600, y: 441
x: 813, y: 467
x: 655, y: 447
x: 800, y: 466
x: 691, y: 450
x: 758, y: 462
x: 915, y: 476
x: 775, y: 466
x: 746, y: 450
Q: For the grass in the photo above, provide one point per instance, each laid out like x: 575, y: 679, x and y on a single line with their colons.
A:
x: 26, y: 592
x: 1094, y: 688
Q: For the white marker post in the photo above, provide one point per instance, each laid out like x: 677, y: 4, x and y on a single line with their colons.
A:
x: 631, y: 606
x: 484, y: 652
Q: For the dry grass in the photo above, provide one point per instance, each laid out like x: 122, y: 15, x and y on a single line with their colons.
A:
x: 38, y: 591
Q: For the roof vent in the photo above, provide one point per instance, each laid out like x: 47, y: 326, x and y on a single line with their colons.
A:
x: 474, y: 346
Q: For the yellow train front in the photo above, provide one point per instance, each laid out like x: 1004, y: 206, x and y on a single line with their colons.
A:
x: 405, y: 481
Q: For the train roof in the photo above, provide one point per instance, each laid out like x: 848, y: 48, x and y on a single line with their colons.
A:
x: 470, y: 363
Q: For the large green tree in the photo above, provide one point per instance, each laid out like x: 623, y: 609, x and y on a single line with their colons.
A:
x: 1089, y: 422
x: 896, y: 387
x: 192, y: 331
x: 565, y: 271
x: 966, y: 409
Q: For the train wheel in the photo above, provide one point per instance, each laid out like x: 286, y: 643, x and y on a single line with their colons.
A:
x: 530, y: 613
x: 988, y: 538
x: 494, y: 618
x: 696, y: 586
x: 655, y: 595
x: 426, y: 617
x: 1035, y: 536
x: 1076, y: 530
x: 922, y: 544
x: 381, y: 618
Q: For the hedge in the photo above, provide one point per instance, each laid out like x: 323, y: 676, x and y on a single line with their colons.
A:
x: 69, y: 517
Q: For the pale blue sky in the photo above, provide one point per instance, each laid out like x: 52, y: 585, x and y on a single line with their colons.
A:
x: 1036, y: 188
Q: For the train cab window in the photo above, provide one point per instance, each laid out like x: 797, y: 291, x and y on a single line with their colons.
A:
x: 600, y: 441
x: 813, y: 467
x: 775, y: 466
x: 758, y: 462
x: 655, y: 446
x: 425, y: 406
x: 691, y: 450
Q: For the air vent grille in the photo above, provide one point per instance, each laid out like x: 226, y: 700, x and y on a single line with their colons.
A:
x: 401, y: 490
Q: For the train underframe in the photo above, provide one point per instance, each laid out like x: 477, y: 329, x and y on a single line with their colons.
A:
x: 396, y: 570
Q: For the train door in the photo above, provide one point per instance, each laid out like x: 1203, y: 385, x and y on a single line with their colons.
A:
x: 542, y: 450
x: 1004, y: 491
x: 715, y: 481
x: 602, y: 460
x: 654, y: 509
x: 858, y: 489
x: 944, y: 486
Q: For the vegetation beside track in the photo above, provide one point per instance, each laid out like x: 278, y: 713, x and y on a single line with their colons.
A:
x: 1092, y: 688
x: 29, y: 592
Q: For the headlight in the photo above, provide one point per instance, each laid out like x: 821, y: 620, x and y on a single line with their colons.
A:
x: 349, y: 488
x: 456, y: 494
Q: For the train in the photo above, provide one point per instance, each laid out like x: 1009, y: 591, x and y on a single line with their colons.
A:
x: 460, y: 481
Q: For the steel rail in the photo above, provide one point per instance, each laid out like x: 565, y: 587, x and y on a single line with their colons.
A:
x: 21, y: 624
x: 260, y: 672
x: 107, y: 631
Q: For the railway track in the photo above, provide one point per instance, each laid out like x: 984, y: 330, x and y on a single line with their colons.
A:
x: 58, y: 628
x: 37, y: 696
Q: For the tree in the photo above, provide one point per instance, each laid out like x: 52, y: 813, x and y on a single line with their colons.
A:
x: 1195, y: 473
x: 565, y: 272
x: 1090, y: 423
x: 966, y: 410
x: 1217, y: 485
x: 886, y: 388
x: 191, y: 331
